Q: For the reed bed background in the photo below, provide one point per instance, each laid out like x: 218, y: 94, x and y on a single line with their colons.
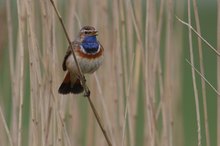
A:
x: 145, y: 92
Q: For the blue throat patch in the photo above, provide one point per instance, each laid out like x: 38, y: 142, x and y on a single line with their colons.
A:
x: 90, y: 44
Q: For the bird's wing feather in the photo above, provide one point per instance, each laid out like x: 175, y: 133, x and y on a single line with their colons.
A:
x: 69, y: 52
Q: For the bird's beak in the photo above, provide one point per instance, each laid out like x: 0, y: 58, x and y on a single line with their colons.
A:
x: 95, y: 33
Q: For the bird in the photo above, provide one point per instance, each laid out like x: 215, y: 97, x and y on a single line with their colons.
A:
x: 89, y: 54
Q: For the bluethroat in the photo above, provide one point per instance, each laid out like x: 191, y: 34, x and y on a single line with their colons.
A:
x: 89, y: 54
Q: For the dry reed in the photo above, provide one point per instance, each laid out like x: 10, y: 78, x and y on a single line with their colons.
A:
x: 136, y: 91
x: 193, y: 77
x: 198, y: 29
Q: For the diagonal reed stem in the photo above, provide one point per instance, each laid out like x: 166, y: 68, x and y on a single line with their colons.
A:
x: 203, y: 77
x: 82, y: 78
x: 99, y: 121
x: 199, y: 35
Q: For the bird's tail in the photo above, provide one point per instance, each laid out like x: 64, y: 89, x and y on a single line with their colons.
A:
x: 70, y: 86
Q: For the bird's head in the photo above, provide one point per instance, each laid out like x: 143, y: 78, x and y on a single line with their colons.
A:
x: 87, y: 31
x: 88, y: 40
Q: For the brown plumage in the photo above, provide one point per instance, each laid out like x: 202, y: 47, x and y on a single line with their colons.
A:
x: 89, y: 62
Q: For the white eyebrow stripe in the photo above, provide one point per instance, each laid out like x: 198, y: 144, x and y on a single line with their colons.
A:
x: 88, y: 30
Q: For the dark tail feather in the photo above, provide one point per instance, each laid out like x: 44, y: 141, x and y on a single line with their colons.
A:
x: 68, y: 87
x: 65, y: 87
x: 77, y: 88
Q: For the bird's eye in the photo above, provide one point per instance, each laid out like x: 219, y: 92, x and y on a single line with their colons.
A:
x: 86, y: 32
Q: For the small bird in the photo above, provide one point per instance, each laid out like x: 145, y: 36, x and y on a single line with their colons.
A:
x: 89, y: 54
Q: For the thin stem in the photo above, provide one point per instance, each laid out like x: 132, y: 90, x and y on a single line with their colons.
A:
x: 194, y: 78
x: 106, y: 112
x: 6, y: 127
x: 204, y: 40
x: 202, y: 72
x: 10, y: 38
x: 82, y: 79
x: 216, y: 91
x: 21, y: 14
x: 99, y: 121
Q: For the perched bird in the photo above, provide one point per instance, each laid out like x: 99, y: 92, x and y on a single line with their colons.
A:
x: 89, y: 54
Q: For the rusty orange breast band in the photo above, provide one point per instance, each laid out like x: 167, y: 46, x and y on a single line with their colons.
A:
x: 80, y: 53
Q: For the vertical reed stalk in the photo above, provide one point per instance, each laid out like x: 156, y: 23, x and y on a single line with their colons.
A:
x: 202, y: 72
x: 12, y: 67
x: 21, y: 12
x: 35, y: 78
x: 193, y: 77
x: 10, y: 39
x: 168, y: 81
x: 149, y: 74
x: 106, y: 111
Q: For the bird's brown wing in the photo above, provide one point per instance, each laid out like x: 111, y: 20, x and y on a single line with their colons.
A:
x: 69, y: 52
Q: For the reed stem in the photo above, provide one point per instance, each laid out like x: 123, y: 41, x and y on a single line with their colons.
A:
x: 82, y: 78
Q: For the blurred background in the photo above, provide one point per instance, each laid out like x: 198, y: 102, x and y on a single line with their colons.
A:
x: 143, y: 92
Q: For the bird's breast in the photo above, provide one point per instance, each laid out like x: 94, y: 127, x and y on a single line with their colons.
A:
x: 88, y: 63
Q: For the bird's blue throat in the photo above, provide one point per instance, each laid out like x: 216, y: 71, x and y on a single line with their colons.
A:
x: 90, y: 44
